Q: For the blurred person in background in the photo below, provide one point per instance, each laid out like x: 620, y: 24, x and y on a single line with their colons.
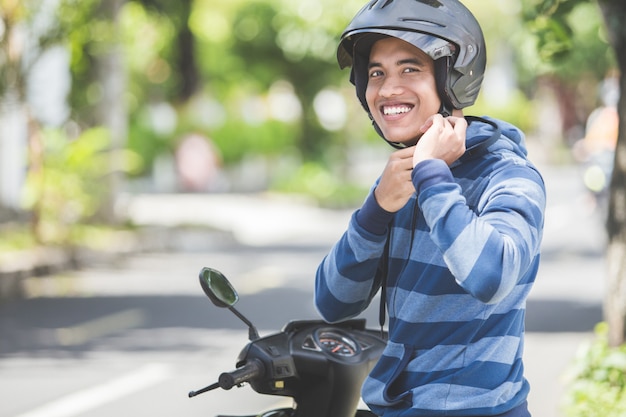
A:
x: 450, y: 232
x: 198, y: 164
x: 596, y: 150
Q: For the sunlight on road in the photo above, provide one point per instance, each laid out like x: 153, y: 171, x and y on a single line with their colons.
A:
x: 260, y: 279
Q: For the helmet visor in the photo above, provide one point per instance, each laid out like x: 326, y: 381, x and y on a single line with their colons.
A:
x: 360, y: 42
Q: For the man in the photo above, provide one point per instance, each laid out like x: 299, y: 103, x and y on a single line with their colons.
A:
x: 450, y: 231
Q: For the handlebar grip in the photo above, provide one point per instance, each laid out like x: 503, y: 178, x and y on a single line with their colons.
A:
x: 249, y: 371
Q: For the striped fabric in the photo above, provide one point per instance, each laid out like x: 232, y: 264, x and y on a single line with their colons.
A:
x: 464, y: 254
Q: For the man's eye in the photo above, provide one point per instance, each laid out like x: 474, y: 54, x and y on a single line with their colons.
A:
x: 410, y: 69
x: 375, y: 73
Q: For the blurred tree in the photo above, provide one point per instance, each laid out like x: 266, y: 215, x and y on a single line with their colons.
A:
x: 111, y: 108
x: 253, y: 46
x: 183, y: 50
x: 270, y: 71
x: 11, y: 47
x: 90, y: 29
x: 70, y: 192
x: 13, y: 18
x: 572, y: 58
x: 274, y: 43
x: 23, y: 39
x: 132, y: 57
x: 551, y: 19
x: 614, y: 12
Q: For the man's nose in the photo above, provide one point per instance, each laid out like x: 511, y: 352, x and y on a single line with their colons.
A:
x: 390, y: 87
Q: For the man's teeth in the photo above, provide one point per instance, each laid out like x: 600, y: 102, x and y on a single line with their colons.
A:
x: 393, y: 110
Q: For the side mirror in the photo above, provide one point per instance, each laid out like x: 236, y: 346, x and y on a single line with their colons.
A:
x: 217, y: 287
x: 222, y: 294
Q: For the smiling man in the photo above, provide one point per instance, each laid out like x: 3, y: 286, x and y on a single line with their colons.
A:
x: 451, y: 230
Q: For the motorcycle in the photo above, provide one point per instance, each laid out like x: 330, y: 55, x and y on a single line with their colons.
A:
x: 597, y: 171
x: 320, y: 366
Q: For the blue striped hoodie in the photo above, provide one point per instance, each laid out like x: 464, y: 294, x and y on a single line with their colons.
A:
x: 463, y: 256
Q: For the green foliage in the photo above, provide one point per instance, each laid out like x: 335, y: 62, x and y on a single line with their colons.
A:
x: 570, y: 38
x: 243, y: 48
x: 235, y: 139
x: 519, y: 110
x: 270, y: 42
x: 313, y: 180
x: 15, y: 237
x: 145, y: 142
x: 597, y: 386
x: 24, y: 35
x: 70, y: 186
x: 86, y: 42
x: 149, y: 45
x: 548, y: 20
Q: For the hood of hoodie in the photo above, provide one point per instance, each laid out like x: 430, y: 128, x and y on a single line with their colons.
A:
x: 486, y: 134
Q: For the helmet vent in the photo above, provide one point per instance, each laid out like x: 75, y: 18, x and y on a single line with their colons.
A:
x: 431, y: 3
x: 422, y: 22
x: 382, y: 6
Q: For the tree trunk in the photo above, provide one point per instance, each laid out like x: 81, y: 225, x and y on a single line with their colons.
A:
x: 111, y: 112
x: 615, y: 302
x: 190, y: 81
x: 614, y: 12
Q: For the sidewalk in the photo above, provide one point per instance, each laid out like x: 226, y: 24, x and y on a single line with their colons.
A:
x: 252, y: 219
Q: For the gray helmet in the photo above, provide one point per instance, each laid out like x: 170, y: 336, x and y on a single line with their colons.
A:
x: 444, y: 29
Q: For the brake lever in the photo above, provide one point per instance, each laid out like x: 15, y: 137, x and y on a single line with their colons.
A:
x: 203, y: 390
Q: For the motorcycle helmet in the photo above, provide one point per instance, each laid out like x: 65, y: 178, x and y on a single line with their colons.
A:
x: 444, y: 29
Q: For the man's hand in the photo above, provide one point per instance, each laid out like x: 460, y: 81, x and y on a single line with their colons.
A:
x: 395, y: 187
x: 443, y: 138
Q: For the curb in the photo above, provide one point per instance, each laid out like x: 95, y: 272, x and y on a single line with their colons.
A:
x: 17, y: 266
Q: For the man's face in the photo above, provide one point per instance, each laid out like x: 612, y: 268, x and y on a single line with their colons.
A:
x: 401, y: 90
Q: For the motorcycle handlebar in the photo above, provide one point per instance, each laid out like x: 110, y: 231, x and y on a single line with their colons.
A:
x: 247, y: 372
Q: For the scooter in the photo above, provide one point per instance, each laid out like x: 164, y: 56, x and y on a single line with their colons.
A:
x: 597, y: 171
x: 320, y: 365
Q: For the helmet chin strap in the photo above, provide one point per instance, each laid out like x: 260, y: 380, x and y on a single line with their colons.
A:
x: 445, y: 109
x: 396, y: 145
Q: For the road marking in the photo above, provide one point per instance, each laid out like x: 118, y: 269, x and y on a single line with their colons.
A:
x: 81, y: 401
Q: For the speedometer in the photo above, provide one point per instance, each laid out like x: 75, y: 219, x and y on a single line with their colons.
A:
x: 336, y: 343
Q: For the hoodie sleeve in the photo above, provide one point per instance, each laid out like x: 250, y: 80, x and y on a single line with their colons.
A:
x: 488, y: 248
x: 345, y: 280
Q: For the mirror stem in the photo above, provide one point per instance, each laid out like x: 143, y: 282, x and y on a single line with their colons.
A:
x: 253, y: 334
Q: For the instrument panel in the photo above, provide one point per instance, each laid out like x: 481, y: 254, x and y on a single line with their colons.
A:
x: 333, y: 342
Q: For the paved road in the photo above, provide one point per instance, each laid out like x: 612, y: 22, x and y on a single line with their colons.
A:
x: 133, y: 336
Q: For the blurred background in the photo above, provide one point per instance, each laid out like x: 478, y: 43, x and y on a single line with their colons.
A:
x: 100, y: 99
x: 143, y: 139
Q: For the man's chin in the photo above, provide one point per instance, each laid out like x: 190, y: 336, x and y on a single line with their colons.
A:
x: 405, y: 142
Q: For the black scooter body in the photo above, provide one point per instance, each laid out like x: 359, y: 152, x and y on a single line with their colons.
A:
x: 320, y: 365
x: 300, y: 363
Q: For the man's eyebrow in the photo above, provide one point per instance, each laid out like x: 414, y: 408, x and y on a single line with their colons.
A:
x: 412, y: 61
